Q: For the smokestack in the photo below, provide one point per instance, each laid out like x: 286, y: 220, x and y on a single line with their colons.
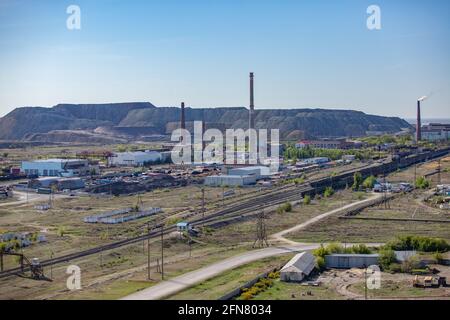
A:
x: 419, y: 123
x: 252, y: 104
x: 183, y: 118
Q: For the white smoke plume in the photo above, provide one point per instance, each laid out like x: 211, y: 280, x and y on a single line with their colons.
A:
x: 422, y: 98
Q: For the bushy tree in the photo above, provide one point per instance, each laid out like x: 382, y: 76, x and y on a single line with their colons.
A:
x: 357, y: 181
x: 369, y: 183
x: 387, y: 257
x: 422, y: 183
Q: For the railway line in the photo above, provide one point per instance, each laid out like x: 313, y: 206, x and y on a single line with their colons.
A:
x: 278, y: 196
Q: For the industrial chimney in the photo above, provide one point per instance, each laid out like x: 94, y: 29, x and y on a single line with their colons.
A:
x: 251, y: 119
x: 419, y: 123
x: 183, y: 118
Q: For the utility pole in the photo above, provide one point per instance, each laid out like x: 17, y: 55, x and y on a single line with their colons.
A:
x: 365, y: 283
x: 223, y: 196
x: 51, y: 265
x: 162, y: 251
x: 148, y: 250
x: 203, y: 203
x: 439, y: 172
x: 415, y: 174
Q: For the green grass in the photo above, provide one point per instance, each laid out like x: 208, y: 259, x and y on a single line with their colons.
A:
x: 218, y: 286
x: 294, y: 291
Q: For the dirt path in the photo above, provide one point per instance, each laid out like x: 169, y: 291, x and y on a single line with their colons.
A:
x: 280, y: 235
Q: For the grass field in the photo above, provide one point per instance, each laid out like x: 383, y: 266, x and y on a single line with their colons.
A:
x: 218, y: 286
x: 294, y: 291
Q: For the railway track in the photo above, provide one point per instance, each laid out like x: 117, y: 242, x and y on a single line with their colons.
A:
x: 264, y: 201
x: 258, y: 202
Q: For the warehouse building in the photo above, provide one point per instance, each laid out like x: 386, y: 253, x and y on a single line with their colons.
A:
x: 229, y: 180
x: 298, y: 268
x: 348, y: 261
x: 258, y: 171
x: 56, y: 167
x: 136, y: 159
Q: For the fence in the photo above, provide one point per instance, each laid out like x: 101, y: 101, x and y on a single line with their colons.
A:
x: 123, y: 215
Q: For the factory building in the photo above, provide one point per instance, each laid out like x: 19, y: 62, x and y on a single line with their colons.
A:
x: 258, y: 171
x: 325, y: 144
x: 136, y: 159
x: 56, y: 167
x: 435, y: 132
x: 348, y: 261
x: 298, y: 268
x: 229, y: 180
x: 311, y: 161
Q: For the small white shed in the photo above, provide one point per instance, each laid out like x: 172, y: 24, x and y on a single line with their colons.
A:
x: 298, y: 267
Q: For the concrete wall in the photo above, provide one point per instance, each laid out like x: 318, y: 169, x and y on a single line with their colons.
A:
x: 227, y: 180
x: 348, y: 261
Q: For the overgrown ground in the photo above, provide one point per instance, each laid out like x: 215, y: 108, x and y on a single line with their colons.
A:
x: 403, y: 206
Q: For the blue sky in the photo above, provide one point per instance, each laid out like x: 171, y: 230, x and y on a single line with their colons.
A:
x: 304, y: 54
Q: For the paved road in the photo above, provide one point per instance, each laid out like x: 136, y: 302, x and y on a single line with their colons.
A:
x: 32, y: 197
x: 174, y: 285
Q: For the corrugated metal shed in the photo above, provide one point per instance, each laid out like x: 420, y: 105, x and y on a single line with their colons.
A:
x: 348, y: 261
x: 298, y: 267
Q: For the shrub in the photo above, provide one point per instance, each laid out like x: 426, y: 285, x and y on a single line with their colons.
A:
x: 274, y: 275
x: 438, y: 257
x: 307, y: 200
x: 424, y: 244
x: 321, y: 251
x: 369, y: 183
x: 288, y: 207
x: 410, y: 264
x: 422, y: 183
x: 61, y: 231
x: 357, y: 181
x: 387, y: 257
x: 2, y: 246
x: 335, y: 248
x: 394, y: 268
x: 328, y: 192
x: 320, y: 263
x: 361, y: 249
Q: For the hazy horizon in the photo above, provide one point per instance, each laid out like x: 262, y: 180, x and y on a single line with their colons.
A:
x: 305, y: 54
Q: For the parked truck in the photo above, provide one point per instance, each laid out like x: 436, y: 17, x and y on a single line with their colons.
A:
x: 429, y: 282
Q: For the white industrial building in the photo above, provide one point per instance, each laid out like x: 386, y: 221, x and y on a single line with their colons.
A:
x: 229, y: 180
x: 135, y: 159
x: 258, y: 171
x: 298, y: 268
x: 56, y: 167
